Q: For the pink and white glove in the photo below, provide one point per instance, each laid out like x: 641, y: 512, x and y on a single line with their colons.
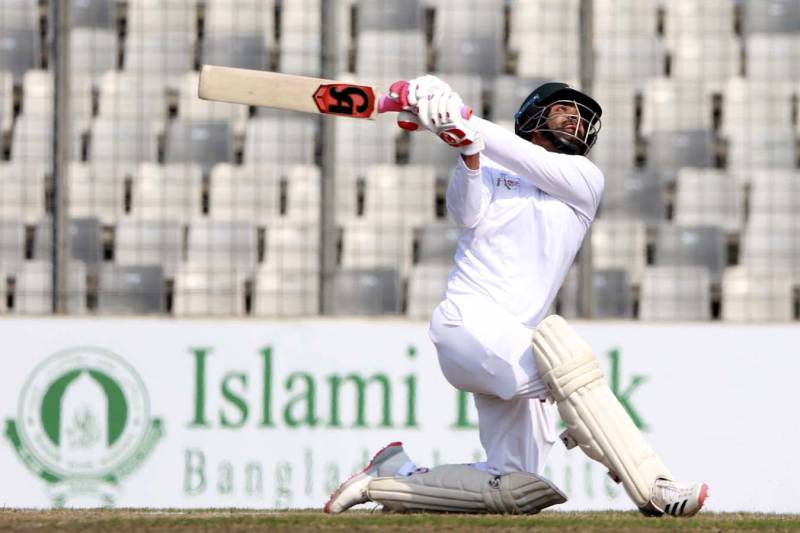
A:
x: 433, y: 105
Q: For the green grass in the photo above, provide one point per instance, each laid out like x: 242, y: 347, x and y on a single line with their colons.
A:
x: 314, y: 520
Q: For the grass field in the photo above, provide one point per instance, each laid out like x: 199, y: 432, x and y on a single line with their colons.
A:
x: 314, y: 520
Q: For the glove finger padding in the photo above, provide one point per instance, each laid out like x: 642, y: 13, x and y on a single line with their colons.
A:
x: 408, y: 121
x: 420, y: 88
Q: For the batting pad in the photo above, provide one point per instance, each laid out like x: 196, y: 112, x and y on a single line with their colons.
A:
x: 594, y: 417
x: 465, y: 489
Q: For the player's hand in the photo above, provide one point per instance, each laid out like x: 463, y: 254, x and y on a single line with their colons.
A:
x: 441, y: 114
x: 420, y: 88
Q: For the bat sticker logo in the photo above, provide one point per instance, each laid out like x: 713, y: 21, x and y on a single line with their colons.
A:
x: 345, y: 99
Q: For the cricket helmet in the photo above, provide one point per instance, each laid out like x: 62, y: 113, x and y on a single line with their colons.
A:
x: 535, y: 110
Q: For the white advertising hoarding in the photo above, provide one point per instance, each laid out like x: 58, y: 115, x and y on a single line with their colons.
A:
x: 159, y: 413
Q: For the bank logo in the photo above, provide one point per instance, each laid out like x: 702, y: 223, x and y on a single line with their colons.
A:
x: 83, y: 423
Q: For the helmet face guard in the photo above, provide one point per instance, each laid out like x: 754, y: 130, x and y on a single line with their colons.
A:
x: 577, y: 131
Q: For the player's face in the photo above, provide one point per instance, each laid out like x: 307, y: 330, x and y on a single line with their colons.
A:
x: 563, y: 116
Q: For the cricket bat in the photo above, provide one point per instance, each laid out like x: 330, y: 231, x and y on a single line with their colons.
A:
x: 301, y: 93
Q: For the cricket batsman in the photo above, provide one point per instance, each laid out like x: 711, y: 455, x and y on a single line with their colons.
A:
x: 524, y: 203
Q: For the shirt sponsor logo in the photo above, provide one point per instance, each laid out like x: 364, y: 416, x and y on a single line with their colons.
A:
x: 509, y: 182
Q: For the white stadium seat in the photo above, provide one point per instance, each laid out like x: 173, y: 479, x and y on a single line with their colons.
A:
x: 204, y: 291
x: 147, y: 242
x: 709, y: 197
x: 167, y: 192
x: 22, y: 191
x: 223, y: 246
x: 282, y: 140
x: 675, y: 293
x: 426, y: 286
x: 750, y: 297
x: 620, y: 244
x: 33, y: 288
x: 95, y: 191
x: 285, y: 293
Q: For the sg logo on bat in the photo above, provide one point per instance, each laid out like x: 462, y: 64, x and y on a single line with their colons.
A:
x: 344, y: 99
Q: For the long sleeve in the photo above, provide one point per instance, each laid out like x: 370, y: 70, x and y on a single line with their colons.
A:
x: 572, y: 179
x: 469, y: 193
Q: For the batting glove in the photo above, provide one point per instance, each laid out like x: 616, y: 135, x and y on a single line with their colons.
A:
x: 444, y: 116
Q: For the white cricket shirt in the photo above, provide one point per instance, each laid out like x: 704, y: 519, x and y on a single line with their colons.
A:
x: 523, y: 215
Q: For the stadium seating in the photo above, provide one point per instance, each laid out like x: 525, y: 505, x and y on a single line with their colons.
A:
x: 22, y: 191
x: 702, y: 246
x: 625, y: 19
x: 223, y: 246
x: 204, y: 142
x: 404, y: 195
x: 247, y: 193
x: 770, y: 245
x: 707, y: 20
x: 389, y: 15
x: 285, y: 293
x: 468, y: 36
x: 92, y: 51
x: 753, y: 147
x: 12, y: 249
x: 130, y: 290
x: 771, y: 16
x: 764, y: 103
x: 282, y: 140
x: 401, y: 54
x: 611, y: 294
x: 99, y: 14
x: 633, y: 59
x: 132, y: 95
x: 37, y: 99
x: 675, y: 105
x: 300, y: 42
x: 6, y: 101
x: 709, y: 197
x: 773, y: 57
x: 437, y: 243
x: 747, y: 297
x: 201, y: 290
x: 621, y: 245
x: 19, y: 50
x: 33, y: 289
x: 669, y: 151
x: 675, y: 293
x: 149, y: 242
x: 238, y: 34
x: 634, y: 195
x: 546, y: 37
x: 704, y: 58
x: 95, y: 191
x: 366, y: 244
x: 122, y: 141
x: 84, y: 237
x: 168, y: 192
x: 373, y: 291
x: 292, y: 247
x: 426, y: 286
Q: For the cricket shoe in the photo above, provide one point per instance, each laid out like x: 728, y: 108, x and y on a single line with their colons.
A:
x: 385, y: 463
x: 679, y: 499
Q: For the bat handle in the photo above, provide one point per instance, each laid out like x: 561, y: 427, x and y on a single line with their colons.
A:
x: 399, y: 90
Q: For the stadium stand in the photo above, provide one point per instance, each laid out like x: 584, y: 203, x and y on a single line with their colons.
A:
x: 699, y: 147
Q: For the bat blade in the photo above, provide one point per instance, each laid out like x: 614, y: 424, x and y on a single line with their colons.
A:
x: 287, y: 91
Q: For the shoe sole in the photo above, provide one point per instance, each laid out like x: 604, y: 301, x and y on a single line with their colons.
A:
x: 335, y: 494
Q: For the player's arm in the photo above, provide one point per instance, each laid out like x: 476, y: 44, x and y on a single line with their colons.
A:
x: 574, y: 180
x: 469, y: 193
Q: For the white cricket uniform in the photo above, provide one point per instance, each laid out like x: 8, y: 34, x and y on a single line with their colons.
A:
x: 523, y: 216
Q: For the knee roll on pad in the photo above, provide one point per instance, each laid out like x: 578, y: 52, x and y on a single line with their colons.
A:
x: 465, y: 489
x: 595, y: 419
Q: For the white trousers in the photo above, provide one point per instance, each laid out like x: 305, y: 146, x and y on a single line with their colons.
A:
x: 482, y: 349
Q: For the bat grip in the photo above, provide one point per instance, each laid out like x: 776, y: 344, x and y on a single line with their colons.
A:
x: 399, y: 89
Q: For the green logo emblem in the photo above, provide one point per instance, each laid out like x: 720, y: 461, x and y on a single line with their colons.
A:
x: 83, y: 424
